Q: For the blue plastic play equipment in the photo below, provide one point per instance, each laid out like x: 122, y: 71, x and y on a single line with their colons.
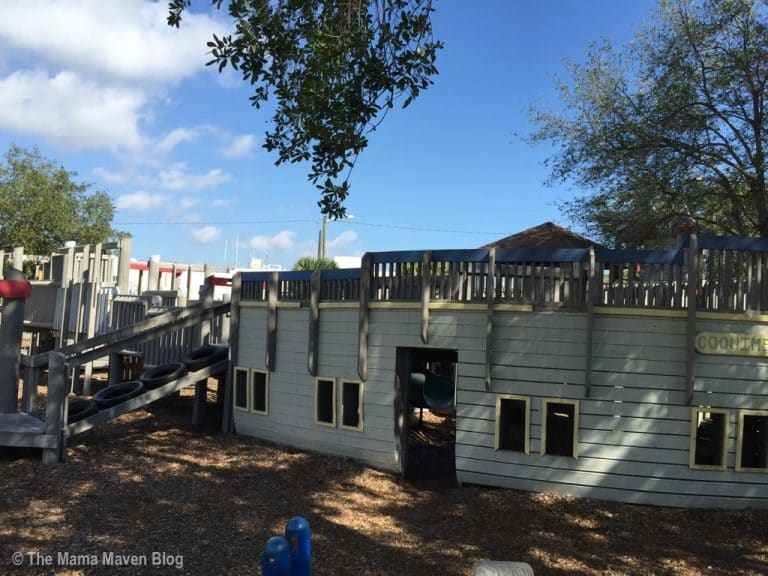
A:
x: 430, y: 390
x: 289, y: 555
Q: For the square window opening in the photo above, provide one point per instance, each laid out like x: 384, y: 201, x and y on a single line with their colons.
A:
x: 241, y: 388
x: 710, y: 436
x: 560, y: 429
x: 260, y: 392
x: 325, y: 402
x: 352, y: 405
x: 754, y: 441
x: 512, y: 424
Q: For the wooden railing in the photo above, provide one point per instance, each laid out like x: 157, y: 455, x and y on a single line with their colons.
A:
x: 168, y: 325
x: 730, y: 275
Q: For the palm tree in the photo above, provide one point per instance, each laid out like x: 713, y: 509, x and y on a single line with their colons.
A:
x: 309, y: 263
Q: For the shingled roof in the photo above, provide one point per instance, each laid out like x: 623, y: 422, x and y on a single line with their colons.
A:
x: 546, y: 235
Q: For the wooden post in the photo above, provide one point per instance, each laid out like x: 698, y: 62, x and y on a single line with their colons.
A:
x: 29, y: 394
x: 591, y: 295
x: 314, y: 322
x: 272, y: 292
x: 362, y: 328
x: 690, y: 325
x: 154, y: 274
x: 56, y: 408
x: 202, y: 336
x: 189, y: 284
x: 490, y: 293
x: 124, y: 265
x: 426, y: 291
x: 67, y: 271
x: 18, y: 258
x: 11, y: 331
x: 93, y: 301
x: 227, y: 421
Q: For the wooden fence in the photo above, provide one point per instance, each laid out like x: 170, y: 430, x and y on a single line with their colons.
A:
x: 728, y: 274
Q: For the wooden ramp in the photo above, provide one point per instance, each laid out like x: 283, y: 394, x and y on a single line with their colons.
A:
x: 51, y: 433
x: 23, y: 430
x: 145, y: 398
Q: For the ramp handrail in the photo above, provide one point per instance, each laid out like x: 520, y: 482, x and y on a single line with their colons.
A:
x: 144, y: 331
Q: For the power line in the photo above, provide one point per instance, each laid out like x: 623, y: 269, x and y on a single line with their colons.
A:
x: 312, y: 220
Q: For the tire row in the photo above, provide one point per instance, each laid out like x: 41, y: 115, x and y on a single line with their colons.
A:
x: 114, y: 394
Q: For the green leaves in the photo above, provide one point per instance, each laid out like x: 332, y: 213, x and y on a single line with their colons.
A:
x: 42, y: 206
x: 334, y: 68
x: 309, y: 263
x: 673, y: 123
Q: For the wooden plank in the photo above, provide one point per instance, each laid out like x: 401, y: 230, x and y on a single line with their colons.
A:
x: 313, y: 343
x: 690, y: 338
x: 362, y: 329
x: 271, y: 336
x: 490, y: 281
x: 588, y: 351
x: 426, y: 265
x: 55, y: 408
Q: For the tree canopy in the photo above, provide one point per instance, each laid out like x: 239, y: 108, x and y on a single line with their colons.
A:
x: 42, y: 205
x: 309, y: 263
x: 668, y: 133
x: 335, y: 67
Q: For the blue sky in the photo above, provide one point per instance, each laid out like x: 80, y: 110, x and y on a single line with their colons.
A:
x: 107, y: 89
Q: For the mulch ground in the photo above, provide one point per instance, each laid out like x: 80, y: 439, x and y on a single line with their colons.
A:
x: 196, y: 502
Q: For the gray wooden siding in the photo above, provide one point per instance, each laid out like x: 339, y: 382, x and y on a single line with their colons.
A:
x: 291, y: 418
x: 634, y: 433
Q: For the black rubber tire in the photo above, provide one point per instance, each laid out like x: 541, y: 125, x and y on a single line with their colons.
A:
x: 117, y: 393
x: 159, y: 375
x: 205, y: 356
x: 81, y: 408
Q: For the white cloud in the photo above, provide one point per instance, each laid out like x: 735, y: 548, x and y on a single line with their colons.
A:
x: 70, y: 110
x: 112, y: 176
x: 140, y: 201
x: 239, y: 146
x: 205, y: 235
x: 186, y: 202
x: 344, y: 239
x: 174, y: 138
x: 88, y: 72
x: 178, y: 178
x: 124, y: 41
x: 223, y: 202
x: 283, y: 241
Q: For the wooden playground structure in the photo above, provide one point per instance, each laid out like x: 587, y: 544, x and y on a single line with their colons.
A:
x: 79, y: 306
x: 629, y: 375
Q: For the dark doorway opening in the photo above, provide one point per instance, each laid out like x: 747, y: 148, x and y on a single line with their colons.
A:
x: 426, y: 417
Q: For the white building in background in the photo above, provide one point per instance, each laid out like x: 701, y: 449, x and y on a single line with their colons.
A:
x: 348, y: 261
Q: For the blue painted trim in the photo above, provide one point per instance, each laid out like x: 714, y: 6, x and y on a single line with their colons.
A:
x: 344, y: 274
x: 479, y: 255
x: 542, y: 255
x: 396, y: 257
x: 609, y: 255
x: 300, y: 275
x: 733, y: 243
x: 255, y: 276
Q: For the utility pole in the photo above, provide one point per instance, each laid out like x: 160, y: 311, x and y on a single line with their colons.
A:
x: 322, y: 237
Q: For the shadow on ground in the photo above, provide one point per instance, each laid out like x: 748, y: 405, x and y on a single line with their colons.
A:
x: 148, y: 483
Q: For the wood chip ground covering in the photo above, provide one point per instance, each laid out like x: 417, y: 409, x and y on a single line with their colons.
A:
x: 147, y: 483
